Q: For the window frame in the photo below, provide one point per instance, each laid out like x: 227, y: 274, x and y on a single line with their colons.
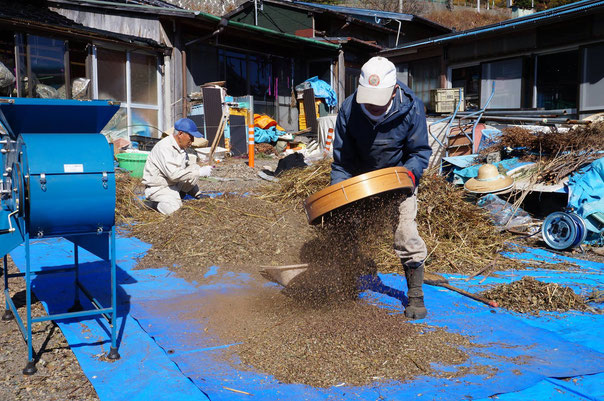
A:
x: 128, y: 104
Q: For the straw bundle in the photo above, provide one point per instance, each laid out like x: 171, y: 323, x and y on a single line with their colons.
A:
x: 297, y: 184
x: 556, y: 154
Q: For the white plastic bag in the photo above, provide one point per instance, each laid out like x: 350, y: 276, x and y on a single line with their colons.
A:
x: 205, y: 171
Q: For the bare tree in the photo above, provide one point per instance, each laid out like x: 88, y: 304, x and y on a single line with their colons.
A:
x: 407, y: 6
x: 215, y: 7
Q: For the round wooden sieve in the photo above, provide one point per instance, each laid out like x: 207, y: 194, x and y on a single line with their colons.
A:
x: 356, y: 188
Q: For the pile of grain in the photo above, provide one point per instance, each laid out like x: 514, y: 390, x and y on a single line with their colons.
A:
x: 528, y: 295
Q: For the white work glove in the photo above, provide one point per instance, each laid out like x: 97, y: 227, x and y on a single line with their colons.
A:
x: 205, y: 171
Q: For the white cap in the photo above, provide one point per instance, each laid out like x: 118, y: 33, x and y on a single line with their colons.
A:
x: 377, y: 81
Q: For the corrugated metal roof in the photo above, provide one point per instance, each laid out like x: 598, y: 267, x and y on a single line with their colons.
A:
x: 361, y: 11
x: 32, y: 14
x: 129, y: 6
x: 153, y: 3
x: 377, y: 15
x: 539, y: 17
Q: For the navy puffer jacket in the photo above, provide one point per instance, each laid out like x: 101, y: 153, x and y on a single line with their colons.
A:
x: 399, y: 139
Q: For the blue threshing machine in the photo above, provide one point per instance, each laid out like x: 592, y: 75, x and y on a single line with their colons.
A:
x: 57, y: 181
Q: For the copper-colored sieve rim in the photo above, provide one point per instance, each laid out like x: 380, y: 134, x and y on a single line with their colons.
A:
x: 356, y: 188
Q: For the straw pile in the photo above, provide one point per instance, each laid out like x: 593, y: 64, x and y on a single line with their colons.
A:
x: 129, y: 207
x: 528, y: 295
x: 557, y: 154
x: 297, y: 184
x: 459, y: 236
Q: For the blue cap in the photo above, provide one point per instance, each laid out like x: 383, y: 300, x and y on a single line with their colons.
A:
x: 187, y: 125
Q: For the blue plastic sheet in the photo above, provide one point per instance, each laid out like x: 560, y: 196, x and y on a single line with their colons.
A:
x: 144, y: 371
x: 271, y: 134
x: 472, y: 171
x: 323, y: 90
x: 154, y: 297
x: 586, y: 194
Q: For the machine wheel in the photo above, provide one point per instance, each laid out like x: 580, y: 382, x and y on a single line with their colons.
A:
x: 563, y: 230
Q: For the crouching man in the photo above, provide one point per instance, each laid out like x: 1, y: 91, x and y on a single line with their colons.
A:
x: 169, y: 175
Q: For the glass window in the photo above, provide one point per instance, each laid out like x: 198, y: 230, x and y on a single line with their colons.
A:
x: 507, y: 75
x: 21, y: 67
x: 592, y: 89
x: 47, y: 64
x: 234, y: 68
x: 402, y: 73
x: 144, y: 122
x: 117, y: 127
x: 8, y: 72
x: 468, y: 78
x: 351, y: 80
x: 557, y: 80
x: 137, y: 92
x: 423, y: 76
x: 111, y: 74
x: 80, y: 81
x: 260, y: 75
x: 143, y: 70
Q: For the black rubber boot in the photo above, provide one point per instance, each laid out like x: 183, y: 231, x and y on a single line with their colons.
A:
x: 415, y: 279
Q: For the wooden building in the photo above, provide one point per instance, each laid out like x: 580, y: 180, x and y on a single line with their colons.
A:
x: 149, y: 55
x: 361, y: 33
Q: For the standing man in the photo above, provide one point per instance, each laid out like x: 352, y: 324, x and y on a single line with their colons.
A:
x: 383, y: 125
x: 168, y: 174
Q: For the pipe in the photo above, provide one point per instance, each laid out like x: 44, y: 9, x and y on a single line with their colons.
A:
x: 398, y: 33
x: 184, y: 83
x: 526, y: 112
x: 530, y: 119
x: 221, y: 25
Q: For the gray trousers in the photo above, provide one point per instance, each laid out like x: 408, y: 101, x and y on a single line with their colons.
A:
x: 408, y: 245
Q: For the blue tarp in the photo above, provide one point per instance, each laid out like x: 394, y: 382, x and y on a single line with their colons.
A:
x: 144, y: 371
x: 586, y: 194
x: 323, y: 90
x: 472, y: 171
x: 271, y: 134
x: 169, y: 357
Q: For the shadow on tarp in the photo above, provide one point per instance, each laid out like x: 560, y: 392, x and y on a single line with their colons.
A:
x: 144, y: 370
x: 524, y: 356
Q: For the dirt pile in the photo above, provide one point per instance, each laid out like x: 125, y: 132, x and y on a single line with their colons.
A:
x: 311, y: 332
x: 528, y: 295
x: 352, y: 343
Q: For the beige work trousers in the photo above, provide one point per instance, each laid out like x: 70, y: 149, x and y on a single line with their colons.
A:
x: 169, y: 198
x: 408, y: 245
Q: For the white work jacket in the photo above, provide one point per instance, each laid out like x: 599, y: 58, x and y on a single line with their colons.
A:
x: 168, y: 164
